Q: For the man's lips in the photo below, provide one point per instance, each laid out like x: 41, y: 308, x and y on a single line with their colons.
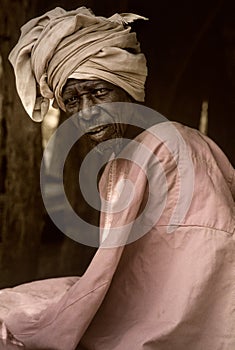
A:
x: 100, y: 133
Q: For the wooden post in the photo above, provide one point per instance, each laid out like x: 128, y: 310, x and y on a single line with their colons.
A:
x: 22, y: 216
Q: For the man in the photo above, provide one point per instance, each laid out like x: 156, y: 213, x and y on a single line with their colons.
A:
x: 163, y: 275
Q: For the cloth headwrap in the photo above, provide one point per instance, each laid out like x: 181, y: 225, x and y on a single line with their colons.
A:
x: 75, y: 44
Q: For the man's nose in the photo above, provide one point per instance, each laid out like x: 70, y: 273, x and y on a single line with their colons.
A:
x: 87, y: 109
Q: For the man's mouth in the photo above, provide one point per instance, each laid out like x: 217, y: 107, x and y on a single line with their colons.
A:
x: 101, y: 133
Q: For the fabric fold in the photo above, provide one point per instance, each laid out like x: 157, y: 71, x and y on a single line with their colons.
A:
x: 62, y: 44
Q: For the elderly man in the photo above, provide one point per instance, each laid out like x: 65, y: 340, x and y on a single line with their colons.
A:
x: 163, y: 275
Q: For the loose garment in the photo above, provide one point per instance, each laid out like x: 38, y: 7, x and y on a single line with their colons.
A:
x: 164, y: 275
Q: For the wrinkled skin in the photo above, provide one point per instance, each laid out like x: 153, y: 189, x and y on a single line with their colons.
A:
x: 87, y: 98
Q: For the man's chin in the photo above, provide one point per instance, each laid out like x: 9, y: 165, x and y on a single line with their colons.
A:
x: 106, y: 146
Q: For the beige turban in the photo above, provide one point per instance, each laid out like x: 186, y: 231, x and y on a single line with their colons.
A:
x: 75, y: 44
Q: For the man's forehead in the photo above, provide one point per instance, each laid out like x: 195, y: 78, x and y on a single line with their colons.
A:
x: 81, y: 84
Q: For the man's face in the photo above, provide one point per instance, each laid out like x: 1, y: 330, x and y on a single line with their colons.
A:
x: 97, y: 122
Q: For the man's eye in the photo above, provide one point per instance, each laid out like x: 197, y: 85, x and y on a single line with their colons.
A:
x: 100, y: 92
x: 71, y: 100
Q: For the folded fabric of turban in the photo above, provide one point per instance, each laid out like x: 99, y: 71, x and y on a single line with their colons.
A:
x: 75, y: 44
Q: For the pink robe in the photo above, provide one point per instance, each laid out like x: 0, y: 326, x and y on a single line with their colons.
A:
x: 172, y: 286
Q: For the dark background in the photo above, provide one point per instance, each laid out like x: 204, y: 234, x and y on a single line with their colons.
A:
x: 190, y: 49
